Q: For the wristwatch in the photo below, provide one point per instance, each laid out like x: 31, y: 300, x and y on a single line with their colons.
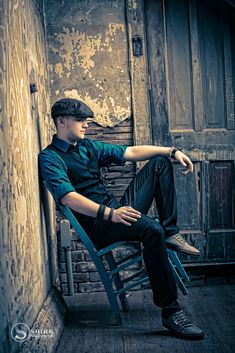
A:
x: 173, y: 151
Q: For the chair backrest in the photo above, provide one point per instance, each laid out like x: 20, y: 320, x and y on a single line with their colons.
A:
x: 78, y: 228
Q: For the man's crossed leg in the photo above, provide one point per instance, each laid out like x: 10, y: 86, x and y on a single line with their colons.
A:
x: 154, y: 182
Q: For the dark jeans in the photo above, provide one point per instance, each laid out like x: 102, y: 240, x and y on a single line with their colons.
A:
x: 154, y: 181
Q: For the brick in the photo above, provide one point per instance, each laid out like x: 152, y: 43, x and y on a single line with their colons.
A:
x: 73, y: 245
x: 77, y: 245
x: 77, y: 277
x: 87, y: 256
x: 65, y: 291
x: 106, y: 265
x: 81, y: 277
x: 90, y: 287
x: 62, y: 267
x: 61, y: 256
x: 77, y: 256
x: 119, y: 253
x: 63, y: 278
x: 127, y: 273
x: 85, y: 267
x: 94, y: 277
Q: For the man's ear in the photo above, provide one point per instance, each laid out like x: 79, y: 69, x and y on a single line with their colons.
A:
x: 61, y: 120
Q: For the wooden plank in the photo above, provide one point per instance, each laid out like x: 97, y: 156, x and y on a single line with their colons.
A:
x: 228, y: 69
x: 198, y: 112
x: 179, y: 81
x: 211, y: 39
x: 117, y: 129
x: 189, y: 198
x: 138, y: 73
x: 113, y: 136
x: 116, y: 178
x: 208, y: 144
x: 128, y: 166
x: 90, y: 326
x: 221, y: 195
x: 120, y: 184
x: 125, y: 126
x: 157, y: 72
x: 119, y: 175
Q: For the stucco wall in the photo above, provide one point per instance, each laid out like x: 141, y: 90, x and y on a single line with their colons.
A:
x: 24, y: 130
x: 88, y: 56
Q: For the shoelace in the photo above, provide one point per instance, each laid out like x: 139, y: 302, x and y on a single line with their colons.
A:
x: 180, y: 238
x: 181, y: 319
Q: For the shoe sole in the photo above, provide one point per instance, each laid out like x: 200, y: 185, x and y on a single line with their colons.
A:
x: 184, y: 335
x: 175, y: 248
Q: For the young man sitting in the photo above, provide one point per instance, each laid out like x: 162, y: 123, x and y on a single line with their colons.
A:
x: 71, y: 166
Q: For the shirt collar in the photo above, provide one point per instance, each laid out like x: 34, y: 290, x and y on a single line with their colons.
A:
x: 61, y: 144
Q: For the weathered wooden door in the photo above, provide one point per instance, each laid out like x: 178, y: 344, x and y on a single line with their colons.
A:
x: 191, y: 51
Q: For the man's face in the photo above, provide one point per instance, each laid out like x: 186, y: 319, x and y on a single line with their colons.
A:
x: 75, y: 128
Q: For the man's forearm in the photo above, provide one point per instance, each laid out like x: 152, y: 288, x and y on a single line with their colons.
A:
x: 142, y: 153
x: 82, y: 204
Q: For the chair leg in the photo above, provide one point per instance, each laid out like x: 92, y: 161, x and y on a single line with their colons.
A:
x: 179, y: 281
x: 109, y: 290
x: 175, y: 259
x: 117, y: 280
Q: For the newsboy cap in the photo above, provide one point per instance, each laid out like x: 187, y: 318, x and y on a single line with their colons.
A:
x: 70, y: 106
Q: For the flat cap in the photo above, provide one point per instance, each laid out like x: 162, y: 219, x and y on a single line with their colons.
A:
x: 70, y: 106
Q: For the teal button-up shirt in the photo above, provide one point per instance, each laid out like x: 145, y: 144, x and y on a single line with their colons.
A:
x: 66, y: 168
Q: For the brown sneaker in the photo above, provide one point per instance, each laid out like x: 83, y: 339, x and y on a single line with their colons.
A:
x: 178, y: 243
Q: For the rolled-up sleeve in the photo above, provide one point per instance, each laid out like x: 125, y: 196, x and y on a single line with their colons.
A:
x: 107, y: 153
x: 54, y: 171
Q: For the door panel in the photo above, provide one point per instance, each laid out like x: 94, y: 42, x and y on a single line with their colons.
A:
x: 179, y: 75
x: 210, y: 25
x: 191, y: 66
x: 221, y: 195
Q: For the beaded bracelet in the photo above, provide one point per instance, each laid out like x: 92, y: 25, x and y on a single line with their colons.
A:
x: 110, y: 215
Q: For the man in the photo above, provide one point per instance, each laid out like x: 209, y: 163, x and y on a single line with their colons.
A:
x: 70, y: 166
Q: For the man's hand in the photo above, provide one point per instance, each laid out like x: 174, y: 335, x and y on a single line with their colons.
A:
x: 185, y: 161
x: 125, y: 215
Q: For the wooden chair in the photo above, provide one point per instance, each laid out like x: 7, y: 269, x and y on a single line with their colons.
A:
x: 115, y: 286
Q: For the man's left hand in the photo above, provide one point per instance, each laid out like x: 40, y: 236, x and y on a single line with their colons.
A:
x: 185, y: 161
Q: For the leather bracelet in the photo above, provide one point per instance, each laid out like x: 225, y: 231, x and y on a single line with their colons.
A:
x: 173, y: 151
x: 100, y: 213
x: 110, y: 215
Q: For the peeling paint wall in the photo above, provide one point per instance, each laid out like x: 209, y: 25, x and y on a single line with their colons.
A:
x: 88, y: 56
x: 24, y: 130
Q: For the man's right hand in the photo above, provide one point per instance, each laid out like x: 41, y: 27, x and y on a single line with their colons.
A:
x: 125, y: 215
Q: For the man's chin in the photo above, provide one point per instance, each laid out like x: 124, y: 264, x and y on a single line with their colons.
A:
x: 80, y: 137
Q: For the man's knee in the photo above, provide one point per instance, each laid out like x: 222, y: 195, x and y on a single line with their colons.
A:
x: 161, y: 159
x: 161, y: 162
x: 154, y: 231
